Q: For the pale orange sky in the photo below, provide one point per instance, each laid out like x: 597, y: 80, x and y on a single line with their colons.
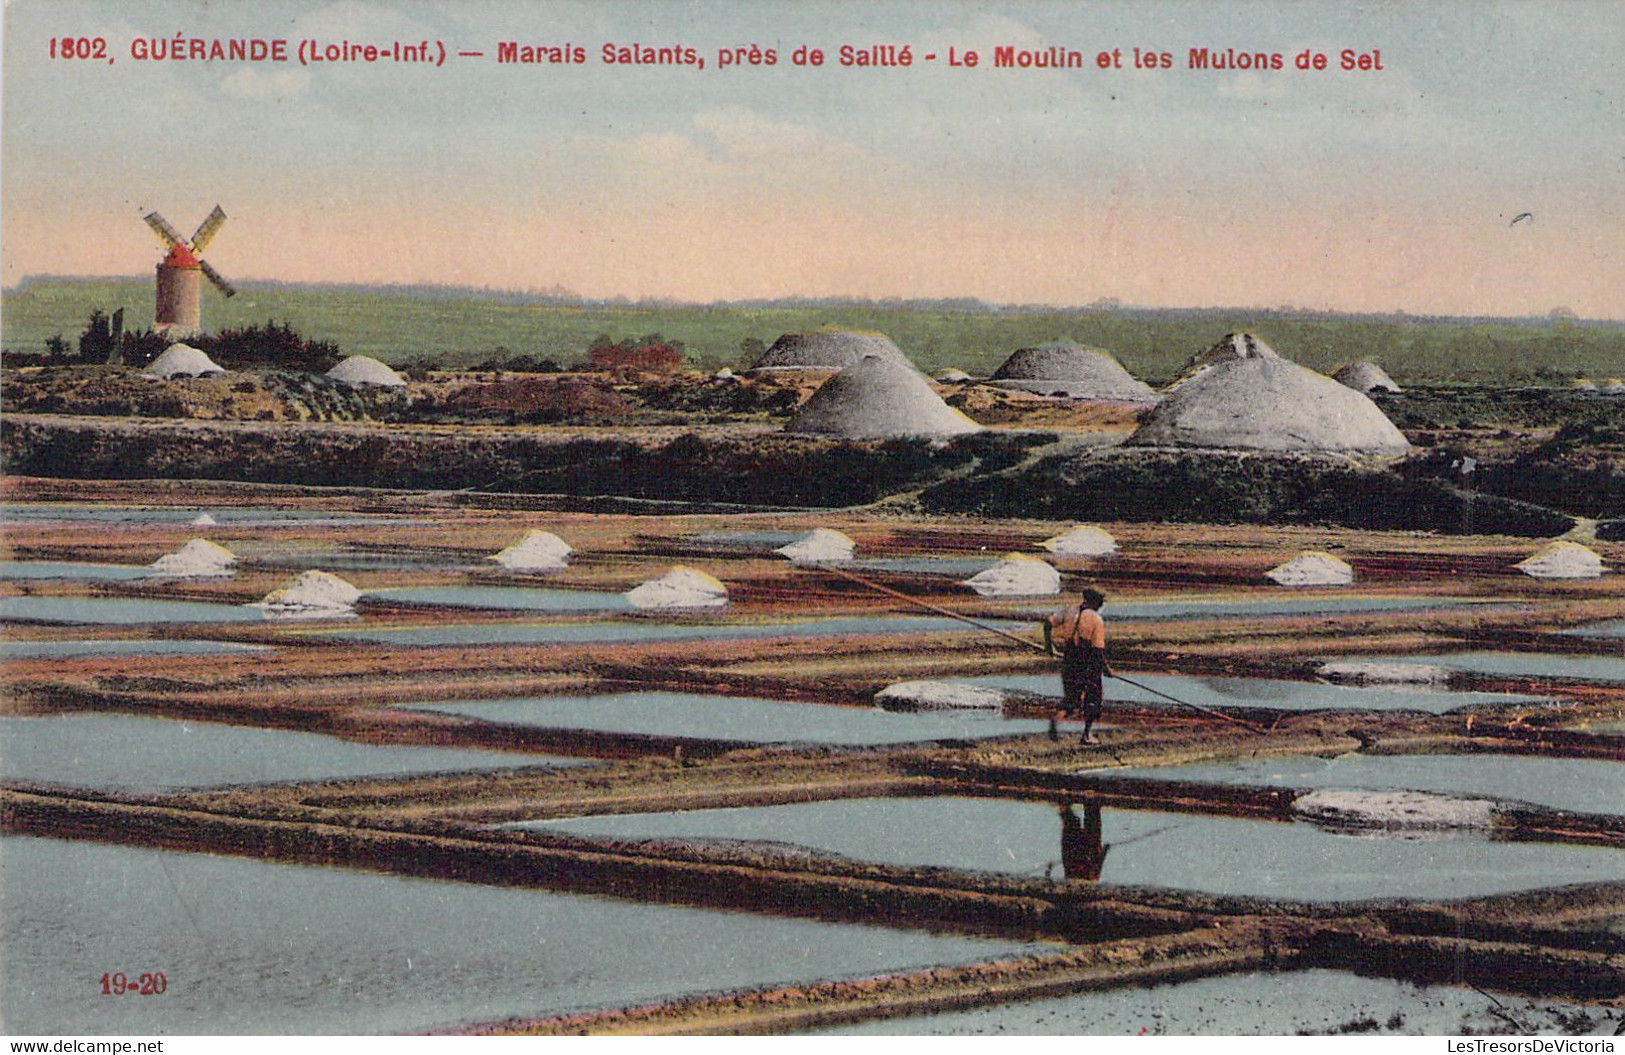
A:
x: 1347, y: 191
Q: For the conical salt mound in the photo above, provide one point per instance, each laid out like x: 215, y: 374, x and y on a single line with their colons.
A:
x: 1081, y: 542
x: 536, y: 551
x: 1017, y: 575
x: 1563, y: 560
x: 1365, y: 377
x: 953, y: 375
x: 204, y: 520
x: 879, y: 399
x: 182, y: 360
x: 679, y: 588
x: 1613, y: 386
x: 817, y: 546
x: 198, y: 559
x: 1063, y: 368
x: 826, y: 350
x: 363, y: 371
x: 312, y: 591
x: 1245, y: 396
x: 1312, y: 568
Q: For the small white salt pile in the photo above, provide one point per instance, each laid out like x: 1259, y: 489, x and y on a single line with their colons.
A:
x: 1383, y: 672
x: 198, y: 559
x: 1017, y: 575
x: 182, y: 360
x: 312, y: 593
x: 680, y: 588
x: 939, y: 696
x: 1312, y: 568
x: 363, y: 371
x: 1389, y: 810
x: 725, y: 374
x: 1563, y: 560
x: 818, y: 546
x: 1082, y: 541
x: 204, y: 520
x: 536, y: 551
x: 1582, y: 384
x: 953, y: 376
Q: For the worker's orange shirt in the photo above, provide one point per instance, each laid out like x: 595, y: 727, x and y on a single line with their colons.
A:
x: 1078, y: 626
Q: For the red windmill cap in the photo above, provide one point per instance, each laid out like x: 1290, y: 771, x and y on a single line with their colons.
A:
x: 180, y: 256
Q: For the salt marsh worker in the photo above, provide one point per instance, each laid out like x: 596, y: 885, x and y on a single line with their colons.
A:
x: 1078, y: 635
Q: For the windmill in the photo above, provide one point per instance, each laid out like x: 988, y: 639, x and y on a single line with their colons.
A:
x: 179, y: 311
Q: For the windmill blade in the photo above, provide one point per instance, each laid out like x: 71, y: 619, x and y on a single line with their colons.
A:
x: 214, y: 276
x: 170, y: 236
x: 206, y: 230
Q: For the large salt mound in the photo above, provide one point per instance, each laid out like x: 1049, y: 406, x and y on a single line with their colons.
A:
x: 317, y: 591
x: 1365, y: 377
x: 1242, y: 395
x: 1017, y: 575
x: 1312, y: 568
x: 939, y: 696
x: 363, y: 371
x: 1063, y: 368
x: 826, y: 350
x: 1081, y: 542
x: 536, y: 551
x: 817, y: 546
x: 1563, y: 560
x: 879, y: 398
x: 680, y: 588
x: 182, y: 360
x: 198, y: 559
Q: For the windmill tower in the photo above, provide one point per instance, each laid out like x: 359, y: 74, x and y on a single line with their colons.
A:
x: 179, y: 311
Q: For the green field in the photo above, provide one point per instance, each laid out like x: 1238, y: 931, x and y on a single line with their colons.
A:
x: 457, y: 329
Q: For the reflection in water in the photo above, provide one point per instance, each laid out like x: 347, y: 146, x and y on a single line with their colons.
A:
x: 1082, y: 852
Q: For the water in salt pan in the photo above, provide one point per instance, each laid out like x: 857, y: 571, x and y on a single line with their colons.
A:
x: 1263, y: 693
x: 251, y: 947
x: 1534, y: 665
x: 50, y: 569
x: 1578, y: 784
x: 128, y: 647
x: 732, y: 718
x: 120, y: 752
x: 122, y: 611
x: 1218, y: 855
x: 1258, y: 1003
x: 637, y: 631
x: 506, y: 598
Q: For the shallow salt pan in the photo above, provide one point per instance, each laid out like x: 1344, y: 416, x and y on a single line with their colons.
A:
x: 1262, y: 693
x: 508, y: 598
x: 735, y: 719
x: 251, y: 947
x: 637, y: 631
x: 1218, y: 855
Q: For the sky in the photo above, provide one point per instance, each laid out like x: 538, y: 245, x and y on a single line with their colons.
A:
x: 1390, y: 190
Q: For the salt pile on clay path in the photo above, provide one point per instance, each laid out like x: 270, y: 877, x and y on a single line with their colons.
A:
x: 817, y: 546
x: 827, y: 350
x: 1383, y: 672
x: 1563, y: 560
x: 182, y: 360
x: 1312, y: 569
x: 536, y: 551
x: 879, y: 399
x: 198, y: 559
x: 939, y: 696
x: 1366, y: 377
x: 1017, y: 575
x: 1241, y: 394
x: 312, y: 592
x: 204, y: 520
x: 363, y: 371
x: 679, y: 588
x: 1081, y: 542
x: 1073, y: 371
